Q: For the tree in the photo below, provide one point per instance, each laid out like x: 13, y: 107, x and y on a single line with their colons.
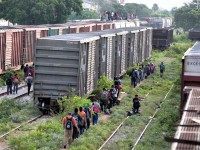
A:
x: 187, y: 17
x: 155, y: 7
x: 38, y: 11
x: 85, y: 14
x: 139, y: 10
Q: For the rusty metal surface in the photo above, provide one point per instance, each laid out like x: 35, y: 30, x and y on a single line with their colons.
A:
x: 189, y: 129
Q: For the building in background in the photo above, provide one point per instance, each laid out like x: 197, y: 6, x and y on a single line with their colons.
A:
x: 90, y: 5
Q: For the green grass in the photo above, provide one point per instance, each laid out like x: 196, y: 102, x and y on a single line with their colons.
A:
x: 49, y: 135
x: 12, y: 113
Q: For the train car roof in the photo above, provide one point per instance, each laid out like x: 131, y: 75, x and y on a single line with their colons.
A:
x: 82, y: 38
x: 194, y: 51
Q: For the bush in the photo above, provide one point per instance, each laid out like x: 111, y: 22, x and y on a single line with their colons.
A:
x: 104, y: 82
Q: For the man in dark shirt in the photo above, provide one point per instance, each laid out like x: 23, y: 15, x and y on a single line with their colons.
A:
x: 136, y: 104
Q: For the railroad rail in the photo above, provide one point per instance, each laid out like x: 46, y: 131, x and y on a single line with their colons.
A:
x: 28, y: 122
x: 116, y: 130
x: 142, y: 133
x: 150, y: 120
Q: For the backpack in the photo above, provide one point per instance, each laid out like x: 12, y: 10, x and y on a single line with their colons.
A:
x: 162, y: 67
x: 134, y: 74
x: 96, y: 108
x: 68, y: 124
x: 78, y: 119
x: 104, y: 95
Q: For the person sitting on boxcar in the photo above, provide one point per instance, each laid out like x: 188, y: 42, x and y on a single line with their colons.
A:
x: 69, y: 124
x: 29, y: 80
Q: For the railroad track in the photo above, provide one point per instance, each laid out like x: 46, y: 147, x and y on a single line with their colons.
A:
x: 142, y: 133
x: 20, y: 87
x: 3, y: 145
x: 116, y: 130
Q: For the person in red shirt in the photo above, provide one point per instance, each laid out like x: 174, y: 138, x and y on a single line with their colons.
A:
x: 82, y: 114
x: 68, y: 124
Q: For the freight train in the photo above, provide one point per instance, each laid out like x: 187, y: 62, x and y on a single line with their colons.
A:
x: 194, y: 34
x: 74, y: 62
x: 18, y: 42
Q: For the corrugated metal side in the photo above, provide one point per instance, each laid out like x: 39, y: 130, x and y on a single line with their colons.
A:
x: 8, y: 53
x: 144, y: 45
x: 44, y: 33
x: 113, y: 55
x: 109, y: 59
x: 123, y: 55
x: 90, y: 67
x: 94, y: 27
x: 57, y: 68
x: 29, y: 46
x: 99, y: 27
x: 130, y: 38
x: 2, y: 51
x: 118, y: 46
x: 73, y: 29
x: 84, y: 29
x: 17, y: 49
x: 102, y: 56
x: 106, y: 26
x: 65, y: 31
x: 135, y: 48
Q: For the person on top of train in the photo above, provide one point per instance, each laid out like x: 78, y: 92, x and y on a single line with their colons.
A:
x: 29, y: 81
x: 68, y: 124
x: 16, y: 82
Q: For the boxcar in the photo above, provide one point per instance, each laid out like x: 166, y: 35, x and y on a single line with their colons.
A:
x: 2, y: 50
x: 162, y: 38
x: 106, y: 53
x: 64, y: 63
x: 194, y: 34
x: 14, y: 48
x: 190, y: 72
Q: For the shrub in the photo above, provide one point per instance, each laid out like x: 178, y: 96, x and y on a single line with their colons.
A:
x: 104, y: 82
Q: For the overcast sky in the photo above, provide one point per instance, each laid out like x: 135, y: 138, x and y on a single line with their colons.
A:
x: 164, y: 4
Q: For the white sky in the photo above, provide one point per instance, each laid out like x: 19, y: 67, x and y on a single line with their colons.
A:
x: 164, y: 4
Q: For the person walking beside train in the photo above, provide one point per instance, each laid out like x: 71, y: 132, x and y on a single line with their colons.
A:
x: 162, y: 69
x: 78, y: 120
x: 9, y: 84
x: 134, y: 77
x: 29, y: 80
x: 83, y: 124
x: 136, y: 104
x: 26, y: 71
x: 15, y: 83
x: 95, y: 109
x: 68, y: 124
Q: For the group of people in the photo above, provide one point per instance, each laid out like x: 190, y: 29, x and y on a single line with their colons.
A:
x: 12, y: 82
x: 76, y: 123
x: 138, y: 75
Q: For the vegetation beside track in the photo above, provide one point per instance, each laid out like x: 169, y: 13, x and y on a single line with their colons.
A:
x: 49, y: 135
x: 12, y: 113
